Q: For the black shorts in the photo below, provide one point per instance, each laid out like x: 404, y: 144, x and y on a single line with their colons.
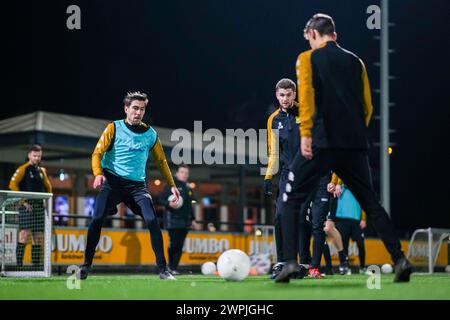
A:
x: 33, y: 219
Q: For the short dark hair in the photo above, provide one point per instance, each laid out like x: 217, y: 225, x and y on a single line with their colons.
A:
x: 286, y: 84
x: 35, y: 147
x: 135, y: 95
x: 182, y: 166
x: 323, y: 23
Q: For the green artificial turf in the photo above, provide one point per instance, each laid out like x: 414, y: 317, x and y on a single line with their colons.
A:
x: 197, y: 287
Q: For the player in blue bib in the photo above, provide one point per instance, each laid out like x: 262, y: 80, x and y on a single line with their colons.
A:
x: 119, y: 164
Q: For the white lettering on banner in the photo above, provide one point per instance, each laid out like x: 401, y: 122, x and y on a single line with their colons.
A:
x: 257, y: 247
x: 105, y: 244
x: 61, y: 243
x: 208, y: 245
x: 77, y: 243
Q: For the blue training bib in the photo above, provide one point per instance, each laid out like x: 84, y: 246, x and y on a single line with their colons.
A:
x: 128, y: 156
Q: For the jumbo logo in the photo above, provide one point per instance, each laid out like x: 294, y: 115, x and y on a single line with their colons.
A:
x: 77, y: 243
x: 206, y: 245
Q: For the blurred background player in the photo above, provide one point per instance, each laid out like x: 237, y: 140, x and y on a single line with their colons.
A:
x: 330, y: 229
x: 335, y: 108
x: 351, y: 221
x: 178, y: 221
x: 283, y: 143
x: 322, y: 214
x: 33, y: 178
x: 119, y: 166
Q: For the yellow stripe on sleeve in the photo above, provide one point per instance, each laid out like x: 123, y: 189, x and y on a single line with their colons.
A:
x: 305, y: 93
x: 272, y: 148
x: 161, y: 163
x: 18, y: 177
x: 47, y: 184
x: 102, y: 146
x: 368, y: 106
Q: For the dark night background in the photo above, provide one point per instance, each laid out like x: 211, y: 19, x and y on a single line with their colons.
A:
x: 218, y: 61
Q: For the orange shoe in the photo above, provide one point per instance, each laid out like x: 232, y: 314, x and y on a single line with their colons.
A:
x: 314, y: 274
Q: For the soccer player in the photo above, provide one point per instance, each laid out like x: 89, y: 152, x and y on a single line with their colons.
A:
x: 351, y: 221
x: 178, y: 221
x: 119, y: 163
x: 322, y: 213
x: 335, y: 108
x: 31, y: 177
x: 283, y: 144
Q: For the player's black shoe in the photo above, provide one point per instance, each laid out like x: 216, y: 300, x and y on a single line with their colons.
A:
x: 344, y: 269
x: 84, y: 271
x: 276, y: 269
x: 289, y: 269
x: 403, y: 270
x: 166, y: 275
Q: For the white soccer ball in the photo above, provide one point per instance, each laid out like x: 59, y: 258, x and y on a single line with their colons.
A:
x: 233, y: 265
x: 386, y: 268
x: 177, y: 205
x: 209, y: 268
x: 447, y: 268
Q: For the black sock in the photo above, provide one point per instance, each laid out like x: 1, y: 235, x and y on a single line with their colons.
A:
x: 36, y: 255
x: 342, y: 256
x: 20, y: 249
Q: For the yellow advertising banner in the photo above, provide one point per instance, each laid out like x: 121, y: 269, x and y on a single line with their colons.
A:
x: 376, y: 253
x: 132, y: 247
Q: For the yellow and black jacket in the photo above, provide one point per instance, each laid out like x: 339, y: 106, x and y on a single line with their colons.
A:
x: 287, y: 140
x: 30, y: 178
x: 335, y: 103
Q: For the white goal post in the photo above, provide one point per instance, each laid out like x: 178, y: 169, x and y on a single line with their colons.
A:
x: 25, y: 216
x: 424, y: 248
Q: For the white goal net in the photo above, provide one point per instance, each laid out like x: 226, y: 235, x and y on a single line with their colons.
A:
x: 425, y: 246
x: 25, y: 234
